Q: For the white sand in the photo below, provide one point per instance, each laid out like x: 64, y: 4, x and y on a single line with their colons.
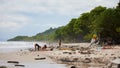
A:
x: 25, y: 56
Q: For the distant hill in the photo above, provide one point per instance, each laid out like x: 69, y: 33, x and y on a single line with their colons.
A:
x: 38, y: 37
x: 49, y: 31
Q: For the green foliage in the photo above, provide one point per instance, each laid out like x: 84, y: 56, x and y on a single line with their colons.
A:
x: 47, y: 35
x: 88, y: 37
x: 18, y: 38
x: 100, y: 20
x: 109, y: 21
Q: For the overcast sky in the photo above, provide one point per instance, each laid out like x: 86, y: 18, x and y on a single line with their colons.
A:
x: 29, y: 17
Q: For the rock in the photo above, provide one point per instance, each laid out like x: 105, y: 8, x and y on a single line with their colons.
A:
x: 73, y: 67
x: 87, y: 60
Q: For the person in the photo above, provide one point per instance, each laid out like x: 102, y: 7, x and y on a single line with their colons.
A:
x: 93, y: 40
x: 44, y: 47
x: 60, y: 43
x: 37, y: 47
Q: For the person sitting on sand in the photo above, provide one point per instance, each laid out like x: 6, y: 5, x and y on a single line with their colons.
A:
x: 37, y: 47
x: 44, y: 47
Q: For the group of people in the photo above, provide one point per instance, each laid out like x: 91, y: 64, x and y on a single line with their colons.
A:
x: 38, y: 47
x: 106, y: 43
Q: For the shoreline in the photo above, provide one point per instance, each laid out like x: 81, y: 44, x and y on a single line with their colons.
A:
x: 64, y: 57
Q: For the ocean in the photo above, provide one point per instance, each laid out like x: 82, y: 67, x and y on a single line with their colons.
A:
x: 9, y: 46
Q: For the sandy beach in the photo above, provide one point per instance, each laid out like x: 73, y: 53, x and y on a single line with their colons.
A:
x: 65, y: 57
x: 24, y: 58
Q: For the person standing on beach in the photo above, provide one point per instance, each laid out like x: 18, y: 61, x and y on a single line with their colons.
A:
x: 93, y: 40
x: 37, y: 47
x: 60, y: 43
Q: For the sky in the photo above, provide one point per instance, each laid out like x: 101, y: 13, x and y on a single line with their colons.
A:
x: 29, y: 17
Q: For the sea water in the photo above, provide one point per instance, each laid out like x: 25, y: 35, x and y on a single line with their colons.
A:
x: 9, y: 46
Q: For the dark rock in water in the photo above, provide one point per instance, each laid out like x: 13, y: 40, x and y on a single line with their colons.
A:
x: 73, y: 67
x: 40, y: 58
x: 20, y: 65
x: 13, y: 62
x: 3, y: 67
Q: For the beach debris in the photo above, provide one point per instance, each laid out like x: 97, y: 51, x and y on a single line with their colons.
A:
x: 30, y: 49
x: 40, y: 58
x: 67, y: 53
x: 3, y: 67
x: 37, y: 55
x: 74, y: 60
x: 86, y: 60
x: 65, y: 60
x: 72, y: 67
x: 20, y: 65
x: 116, y: 61
x: 85, y: 52
x: 12, y: 62
x: 69, y: 60
x: 98, y: 60
x: 51, y: 49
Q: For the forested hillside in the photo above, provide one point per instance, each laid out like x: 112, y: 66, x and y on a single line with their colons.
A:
x: 44, y: 36
x: 102, y: 21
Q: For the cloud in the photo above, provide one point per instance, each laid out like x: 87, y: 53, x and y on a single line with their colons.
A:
x: 65, y: 7
x: 12, y: 22
x: 10, y: 26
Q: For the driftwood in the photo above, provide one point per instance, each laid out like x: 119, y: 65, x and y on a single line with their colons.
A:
x: 67, y: 53
x: 13, y: 62
x: 40, y: 58
x: 20, y: 65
